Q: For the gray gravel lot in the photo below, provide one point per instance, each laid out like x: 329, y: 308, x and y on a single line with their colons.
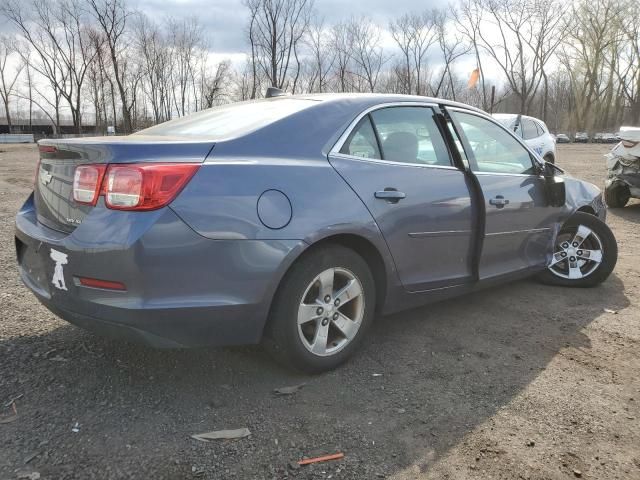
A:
x: 519, y: 381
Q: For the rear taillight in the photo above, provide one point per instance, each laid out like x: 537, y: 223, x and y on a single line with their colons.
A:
x: 145, y: 186
x: 138, y: 186
x: 629, y: 144
x: 87, y: 180
x: 47, y: 149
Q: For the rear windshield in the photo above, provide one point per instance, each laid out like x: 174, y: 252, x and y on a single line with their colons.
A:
x: 230, y: 121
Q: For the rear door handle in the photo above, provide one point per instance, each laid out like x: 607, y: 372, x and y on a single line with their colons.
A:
x: 499, y: 201
x: 391, y: 195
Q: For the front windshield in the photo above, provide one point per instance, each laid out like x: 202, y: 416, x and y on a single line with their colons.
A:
x: 230, y: 121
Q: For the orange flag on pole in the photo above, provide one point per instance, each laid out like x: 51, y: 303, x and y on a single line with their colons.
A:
x: 473, y: 79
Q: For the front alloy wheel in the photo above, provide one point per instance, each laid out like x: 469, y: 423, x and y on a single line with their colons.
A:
x: 322, y: 309
x: 577, y: 255
x: 585, y: 253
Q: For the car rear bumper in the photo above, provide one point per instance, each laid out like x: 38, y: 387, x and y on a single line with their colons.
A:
x: 182, y: 290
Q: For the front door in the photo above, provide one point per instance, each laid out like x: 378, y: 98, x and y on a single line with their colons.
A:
x: 397, y: 162
x: 519, y: 223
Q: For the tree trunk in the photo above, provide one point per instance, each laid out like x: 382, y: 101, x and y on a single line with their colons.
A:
x: 6, y: 109
x: 545, y: 99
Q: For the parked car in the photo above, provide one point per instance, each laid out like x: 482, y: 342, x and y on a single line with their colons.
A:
x: 609, y: 138
x: 597, y: 137
x: 295, y: 220
x: 623, y: 169
x: 581, y: 137
x: 562, y: 138
x: 533, y: 131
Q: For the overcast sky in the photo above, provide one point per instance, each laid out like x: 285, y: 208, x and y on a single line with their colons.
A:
x: 226, y: 20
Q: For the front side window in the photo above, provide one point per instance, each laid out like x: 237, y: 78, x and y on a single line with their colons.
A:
x: 494, y: 149
x: 410, y: 135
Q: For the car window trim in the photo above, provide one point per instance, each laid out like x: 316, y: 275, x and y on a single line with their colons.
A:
x: 391, y: 162
x: 535, y: 161
x: 335, y: 150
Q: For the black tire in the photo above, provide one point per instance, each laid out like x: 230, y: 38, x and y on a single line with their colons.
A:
x: 609, y: 249
x: 282, y: 337
x: 616, y: 195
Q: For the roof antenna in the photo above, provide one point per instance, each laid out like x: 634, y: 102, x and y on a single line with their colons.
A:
x: 274, y: 92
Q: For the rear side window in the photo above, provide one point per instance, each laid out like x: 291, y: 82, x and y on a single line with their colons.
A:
x: 529, y: 129
x: 362, y: 141
x: 410, y: 135
x: 230, y: 121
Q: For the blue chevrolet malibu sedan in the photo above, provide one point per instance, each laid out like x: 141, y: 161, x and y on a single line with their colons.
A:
x: 293, y: 220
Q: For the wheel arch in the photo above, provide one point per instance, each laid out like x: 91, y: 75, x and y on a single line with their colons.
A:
x: 369, y: 252
x: 587, y: 209
x: 358, y: 243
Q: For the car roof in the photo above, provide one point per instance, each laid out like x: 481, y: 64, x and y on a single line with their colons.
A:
x: 372, y: 99
x: 314, y: 129
x: 507, y: 116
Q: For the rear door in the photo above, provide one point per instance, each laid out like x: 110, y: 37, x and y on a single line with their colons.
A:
x: 532, y: 135
x: 396, y: 161
x: 519, y: 223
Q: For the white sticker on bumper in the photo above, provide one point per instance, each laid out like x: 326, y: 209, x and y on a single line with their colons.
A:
x: 58, y: 273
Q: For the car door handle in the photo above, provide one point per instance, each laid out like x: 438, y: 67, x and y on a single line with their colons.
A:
x: 391, y: 195
x: 499, y: 201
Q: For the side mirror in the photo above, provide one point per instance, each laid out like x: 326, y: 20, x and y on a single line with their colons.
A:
x: 554, y: 186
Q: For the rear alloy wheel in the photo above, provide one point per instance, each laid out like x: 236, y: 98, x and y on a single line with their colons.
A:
x: 322, y: 309
x: 585, y: 253
x: 616, y: 195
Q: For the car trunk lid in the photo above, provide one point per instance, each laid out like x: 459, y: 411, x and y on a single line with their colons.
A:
x: 53, y: 191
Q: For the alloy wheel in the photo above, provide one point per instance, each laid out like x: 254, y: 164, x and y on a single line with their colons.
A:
x: 331, y: 311
x: 577, y: 254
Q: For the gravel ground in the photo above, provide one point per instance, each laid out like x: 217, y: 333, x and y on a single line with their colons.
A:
x: 519, y: 381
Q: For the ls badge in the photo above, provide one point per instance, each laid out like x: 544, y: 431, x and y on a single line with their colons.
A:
x: 58, y: 274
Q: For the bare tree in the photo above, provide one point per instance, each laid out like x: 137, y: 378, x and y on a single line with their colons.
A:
x: 367, y: 54
x: 46, y: 55
x: 112, y: 17
x: 186, y: 41
x: 216, y: 86
x: 29, y: 84
x: 156, y: 64
x: 629, y: 71
x: 451, y: 48
x: 528, y: 33
x: 8, y: 78
x: 592, y: 28
x: 323, y: 56
x: 468, y: 19
x: 276, y: 30
x: 340, y: 45
x: 58, y: 33
x: 414, y: 34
